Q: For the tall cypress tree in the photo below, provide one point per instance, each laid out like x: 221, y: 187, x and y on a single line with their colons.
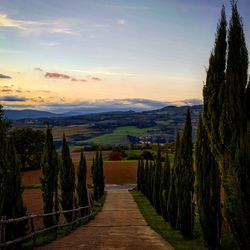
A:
x: 82, y: 190
x: 185, y: 181
x: 139, y: 175
x: 49, y: 179
x: 164, y: 187
x: 101, y: 174
x: 142, y: 173
x: 157, y: 180
x: 67, y: 180
x: 208, y: 188
x: 233, y: 141
x: 172, y: 202
x: 11, y: 203
x: 214, y: 88
x: 146, y: 178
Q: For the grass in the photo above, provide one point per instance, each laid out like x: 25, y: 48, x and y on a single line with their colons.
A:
x: 32, y: 186
x: 174, y: 237
x: 49, y: 236
x: 119, y: 135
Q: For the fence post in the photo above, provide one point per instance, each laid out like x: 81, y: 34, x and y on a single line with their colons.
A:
x: 3, y: 227
x: 33, y: 229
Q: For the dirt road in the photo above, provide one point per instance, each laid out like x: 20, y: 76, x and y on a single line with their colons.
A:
x: 119, y: 225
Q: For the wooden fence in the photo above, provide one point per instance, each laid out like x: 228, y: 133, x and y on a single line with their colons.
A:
x: 35, y: 226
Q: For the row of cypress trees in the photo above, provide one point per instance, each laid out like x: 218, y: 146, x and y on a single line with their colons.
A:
x: 97, y: 175
x: 223, y: 142
x: 11, y: 202
x: 61, y: 170
x: 170, y: 189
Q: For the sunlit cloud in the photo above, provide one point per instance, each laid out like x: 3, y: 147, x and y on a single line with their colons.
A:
x: 4, y: 76
x: 56, y: 75
x: 38, y: 69
x: 33, y: 26
x: 73, y: 79
x: 6, y: 90
x: 12, y: 98
x: 121, y: 21
x: 96, y: 78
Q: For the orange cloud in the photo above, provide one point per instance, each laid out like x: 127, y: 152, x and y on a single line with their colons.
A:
x: 73, y: 79
x: 56, y: 75
x: 96, y: 78
x: 6, y: 90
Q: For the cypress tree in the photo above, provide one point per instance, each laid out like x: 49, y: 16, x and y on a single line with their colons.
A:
x: 11, y: 203
x: 95, y: 177
x: 49, y: 179
x: 142, y: 172
x: 146, y: 178
x: 157, y: 181
x: 208, y: 188
x: 151, y: 181
x: 67, y: 180
x: 233, y: 141
x: 139, y: 175
x: 164, y: 187
x: 82, y: 190
x: 185, y: 181
x: 172, y: 202
x: 213, y: 90
x: 102, y: 184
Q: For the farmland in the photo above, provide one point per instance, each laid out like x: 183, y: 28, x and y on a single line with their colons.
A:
x: 115, y: 128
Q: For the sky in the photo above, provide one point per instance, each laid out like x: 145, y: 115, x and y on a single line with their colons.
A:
x: 62, y: 55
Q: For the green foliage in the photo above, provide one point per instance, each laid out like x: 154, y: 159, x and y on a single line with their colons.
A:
x: 33, y: 142
x: 172, y: 202
x: 185, y: 181
x: 67, y: 180
x: 49, y: 166
x: 228, y: 113
x: 175, y: 237
x: 98, y: 176
x: 82, y: 190
x: 208, y: 188
x: 213, y: 90
x: 164, y: 187
x: 157, y: 181
x: 11, y: 202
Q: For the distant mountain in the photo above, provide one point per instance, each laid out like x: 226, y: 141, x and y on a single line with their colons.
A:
x: 29, y: 114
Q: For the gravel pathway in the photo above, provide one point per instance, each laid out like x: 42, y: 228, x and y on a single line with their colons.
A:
x: 119, y: 226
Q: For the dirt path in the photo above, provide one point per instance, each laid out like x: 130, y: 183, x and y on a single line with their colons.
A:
x: 119, y: 225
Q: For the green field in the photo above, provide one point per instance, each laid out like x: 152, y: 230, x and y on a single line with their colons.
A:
x: 119, y: 135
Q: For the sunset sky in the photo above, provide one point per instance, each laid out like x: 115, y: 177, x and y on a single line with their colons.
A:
x: 61, y: 55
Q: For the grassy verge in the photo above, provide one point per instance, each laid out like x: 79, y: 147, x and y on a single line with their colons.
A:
x: 32, y: 186
x: 174, y: 237
x: 48, y: 237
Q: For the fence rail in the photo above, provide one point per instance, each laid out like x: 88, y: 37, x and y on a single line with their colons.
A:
x: 34, y: 230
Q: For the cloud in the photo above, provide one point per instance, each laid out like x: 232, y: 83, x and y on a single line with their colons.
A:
x: 34, y: 26
x: 56, y: 75
x: 12, y: 98
x: 96, y: 78
x: 121, y: 21
x: 6, y: 90
x: 189, y: 102
x: 63, y: 76
x: 4, y: 77
x: 73, y: 79
x: 38, y: 69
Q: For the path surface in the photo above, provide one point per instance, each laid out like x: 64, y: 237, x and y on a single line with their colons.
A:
x: 119, y: 226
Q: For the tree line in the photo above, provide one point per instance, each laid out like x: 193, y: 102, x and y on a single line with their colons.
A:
x: 222, y: 150
x: 58, y: 181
